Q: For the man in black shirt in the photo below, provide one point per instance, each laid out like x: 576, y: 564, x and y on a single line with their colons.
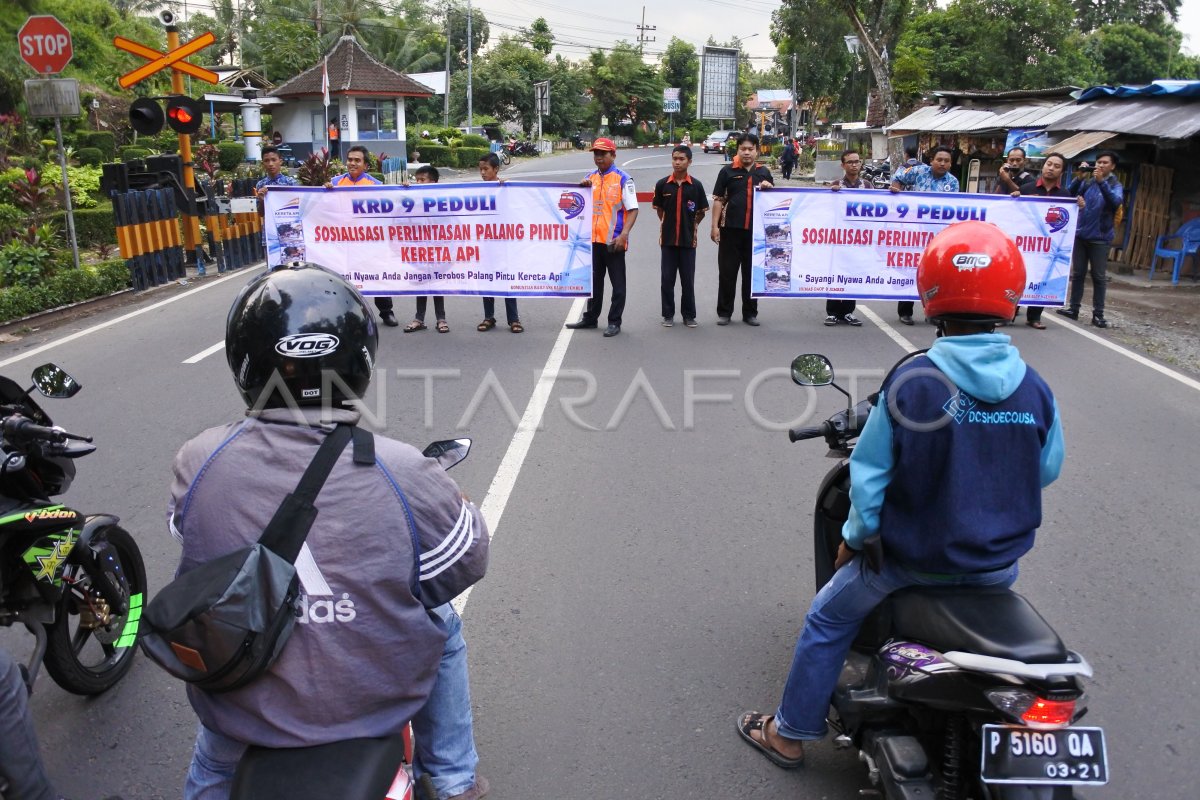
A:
x: 1013, y: 174
x: 733, y: 226
x: 681, y: 204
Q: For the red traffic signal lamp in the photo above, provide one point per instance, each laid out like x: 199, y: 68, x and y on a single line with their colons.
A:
x: 184, y: 114
x: 146, y: 116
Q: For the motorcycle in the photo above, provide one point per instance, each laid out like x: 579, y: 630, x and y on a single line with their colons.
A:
x: 76, y: 582
x: 941, y: 680
x: 878, y: 173
x: 525, y: 148
x: 352, y: 769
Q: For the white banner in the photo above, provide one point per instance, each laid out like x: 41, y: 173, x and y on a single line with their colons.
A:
x: 865, y: 245
x: 488, y: 239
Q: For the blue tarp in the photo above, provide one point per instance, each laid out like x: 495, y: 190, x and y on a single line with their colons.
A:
x: 1180, y: 89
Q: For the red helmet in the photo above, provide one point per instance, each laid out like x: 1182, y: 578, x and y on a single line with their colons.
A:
x: 971, y: 271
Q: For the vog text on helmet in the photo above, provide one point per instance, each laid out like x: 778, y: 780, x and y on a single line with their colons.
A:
x: 307, y: 345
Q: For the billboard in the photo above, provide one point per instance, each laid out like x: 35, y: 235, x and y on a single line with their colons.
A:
x: 718, y: 83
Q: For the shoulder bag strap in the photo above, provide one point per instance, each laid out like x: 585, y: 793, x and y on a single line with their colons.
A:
x: 287, y: 530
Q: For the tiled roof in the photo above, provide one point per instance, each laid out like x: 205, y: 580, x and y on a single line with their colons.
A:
x: 352, y: 70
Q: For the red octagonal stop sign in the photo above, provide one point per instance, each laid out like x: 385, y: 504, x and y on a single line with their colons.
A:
x: 45, y: 44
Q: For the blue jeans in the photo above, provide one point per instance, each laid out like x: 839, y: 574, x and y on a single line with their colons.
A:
x: 445, y: 742
x: 20, y: 763
x: 833, y: 621
x: 510, y: 309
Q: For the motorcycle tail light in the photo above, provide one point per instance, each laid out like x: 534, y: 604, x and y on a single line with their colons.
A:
x: 1026, y: 708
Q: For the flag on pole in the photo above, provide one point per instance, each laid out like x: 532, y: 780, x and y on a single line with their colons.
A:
x: 325, y: 81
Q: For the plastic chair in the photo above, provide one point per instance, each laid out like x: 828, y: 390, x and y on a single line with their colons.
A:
x: 1189, y: 245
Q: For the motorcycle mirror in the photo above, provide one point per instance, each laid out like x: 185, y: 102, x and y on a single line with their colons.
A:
x: 448, y: 452
x: 812, y: 369
x: 52, y: 381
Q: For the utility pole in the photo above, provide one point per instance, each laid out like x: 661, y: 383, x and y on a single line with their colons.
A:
x: 446, y: 94
x: 794, y: 116
x: 642, y: 37
x: 470, y: 90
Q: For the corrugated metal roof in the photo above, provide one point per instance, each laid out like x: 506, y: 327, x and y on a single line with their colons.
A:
x: 1011, y: 94
x: 1160, y: 117
x: 963, y: 119
x: 1074, y: 145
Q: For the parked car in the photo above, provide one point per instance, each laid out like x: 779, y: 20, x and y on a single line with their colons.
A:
x: 715, y: 142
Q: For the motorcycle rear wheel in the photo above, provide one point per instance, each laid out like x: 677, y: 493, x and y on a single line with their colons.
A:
x: 88, y: 660
x: 505, y: 158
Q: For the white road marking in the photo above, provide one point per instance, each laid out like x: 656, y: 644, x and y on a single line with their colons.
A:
x: 658, y: 156
x: 892, y: 333
x: 1116, y: 348
x: 498, y: 493
x: 205, y: 353
x: 111, y: 322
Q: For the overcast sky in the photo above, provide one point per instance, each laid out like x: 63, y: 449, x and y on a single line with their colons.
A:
x: 583, y: 24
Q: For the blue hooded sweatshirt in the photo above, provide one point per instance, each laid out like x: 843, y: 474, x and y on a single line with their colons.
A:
x: 951, y: 463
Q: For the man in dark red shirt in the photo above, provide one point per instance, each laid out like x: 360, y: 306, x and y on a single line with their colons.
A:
x: 681, y: 204
x: 733, y: 199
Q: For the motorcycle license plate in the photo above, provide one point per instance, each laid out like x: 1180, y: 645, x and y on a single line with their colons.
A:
x: 1068, y: 756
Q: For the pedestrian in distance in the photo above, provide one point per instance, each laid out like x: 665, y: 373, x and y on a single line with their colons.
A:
x: 614, y: 212
x: 489, y: 171
x: 932, y: 177
x: 1051, y: 183
x: 1102, y: 195
x: 358, y: 158
x: 733, y: 226
x: 787, y: 159
x: 428, y: 173
x: 841, y: 312
x: 681, y: 204
x: 970, y: 526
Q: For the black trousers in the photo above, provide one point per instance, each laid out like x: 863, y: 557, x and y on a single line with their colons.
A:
x: 383, y: 304
x: 510, y: 309
x: 611, y: 262
x: 681, y: 261
x: 904, y: 308
x: 733, y: 255
x: 439, y: 307
x: 839, y: 308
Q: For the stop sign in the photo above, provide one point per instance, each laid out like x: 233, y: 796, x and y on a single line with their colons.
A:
x: 45, y: 44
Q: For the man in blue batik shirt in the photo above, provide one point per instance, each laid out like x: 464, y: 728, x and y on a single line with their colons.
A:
x: 932, y: 177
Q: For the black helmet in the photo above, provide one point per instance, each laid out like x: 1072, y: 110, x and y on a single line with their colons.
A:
x: 303, y: 328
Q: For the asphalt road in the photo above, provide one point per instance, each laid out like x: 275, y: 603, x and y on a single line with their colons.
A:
x: 652, y: 563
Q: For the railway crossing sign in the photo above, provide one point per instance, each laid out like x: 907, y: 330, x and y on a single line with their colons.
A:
x: 172, y: 58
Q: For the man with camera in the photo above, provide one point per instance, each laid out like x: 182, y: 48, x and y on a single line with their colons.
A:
x: 1013, y: 174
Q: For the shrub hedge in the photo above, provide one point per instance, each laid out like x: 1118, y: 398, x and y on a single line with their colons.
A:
x: 93, y: 226
x: 90, y: 156
x: 104, y: 141
x: 230, y: 155
x: 133, y: 153
x: 65, y: 287
x: 468, y: 157
x: 475, y: 140
x: 437, y: 154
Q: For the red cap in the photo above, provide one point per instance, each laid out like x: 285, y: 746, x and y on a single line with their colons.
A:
x: 605, y: 144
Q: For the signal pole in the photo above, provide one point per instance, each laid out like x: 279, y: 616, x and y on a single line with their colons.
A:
x: 642, y: 37
x: 191, y: 222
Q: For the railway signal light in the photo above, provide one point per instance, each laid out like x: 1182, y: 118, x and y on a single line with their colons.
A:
x: 184, y: 114
x: 146, y: 116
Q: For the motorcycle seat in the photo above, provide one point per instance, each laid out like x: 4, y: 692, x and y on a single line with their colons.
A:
x: 354, y: 769
x: 989, y: 622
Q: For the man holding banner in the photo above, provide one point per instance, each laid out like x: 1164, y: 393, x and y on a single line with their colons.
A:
x: 733, y: 226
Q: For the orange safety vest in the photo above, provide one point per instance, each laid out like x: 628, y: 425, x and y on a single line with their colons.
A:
x: 608, y: 212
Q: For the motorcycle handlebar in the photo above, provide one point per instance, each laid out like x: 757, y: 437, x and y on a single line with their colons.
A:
x: 17, y: 426
x: 797, y: 434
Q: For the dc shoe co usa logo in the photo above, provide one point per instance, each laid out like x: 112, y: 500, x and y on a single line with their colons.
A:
x: 307, y: 345
x: 1057, y: 218
x: 571, y: 203
x: 959, y: 405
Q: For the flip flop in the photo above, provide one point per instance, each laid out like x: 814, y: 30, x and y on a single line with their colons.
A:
x: 486, y: 325
x: 516, y: 327
x: 1036, y: 325
x: 754, y: 721
x: 442, y: 327
x: 415, y: 325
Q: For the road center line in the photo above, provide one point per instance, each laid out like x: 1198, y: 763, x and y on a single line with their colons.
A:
x: 111, y: 322
x: 892, y: 333
x: 205, y: 353
x: 498, y: 493
x: 1116, y: 348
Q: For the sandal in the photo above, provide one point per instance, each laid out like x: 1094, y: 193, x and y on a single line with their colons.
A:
x: 1037, y: 326
x: 516, y: 327
x: 442, y: 327
x: 486, y: 325
x: 754, y: 721
x: 415, y: 325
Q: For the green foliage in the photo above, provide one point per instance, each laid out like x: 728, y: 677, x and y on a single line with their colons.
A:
x: 133, y: 152
x: 910, y: 74
x: 33, y: 194
x: 85, y: 183
x: 230, y: 154
x: 1095, y: 14
x: 7, y: 178
x: 317, y: 169
x: 104, y: 141
x: 437, y: 154
x: 93, y: 226
x: 1129, y: 53
x: 89, y: 156
x: 63, y: 288
x: 680, y: 68
x: 12, y: 221
x: 623, y: 86
x: 474, y: 140
x: 23, y: 264
x: 468, y: 157
x: 700, y: 129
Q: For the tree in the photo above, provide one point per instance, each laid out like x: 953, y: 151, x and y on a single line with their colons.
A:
x: 623, y: 86
x: 1128, y: 53
x: 816, y: 40
x: 224, y: 26
x: 1094, y: 14
x: 680, y: 68
x: 539, y: 36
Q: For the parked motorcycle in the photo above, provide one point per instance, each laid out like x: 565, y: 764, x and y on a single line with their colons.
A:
x: 878, y: 173
x: 353, y: 769
x: 949, y: 693
x: 525, y: 148
x: 75, y: 581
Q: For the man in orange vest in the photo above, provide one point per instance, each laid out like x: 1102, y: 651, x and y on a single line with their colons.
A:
x: 614, y: 210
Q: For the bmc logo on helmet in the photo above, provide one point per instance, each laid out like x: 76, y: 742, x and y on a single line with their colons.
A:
x: 965, y: 262
x: 306, y: 345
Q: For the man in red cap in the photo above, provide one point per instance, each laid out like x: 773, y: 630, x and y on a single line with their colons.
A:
x: 614, y: 210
